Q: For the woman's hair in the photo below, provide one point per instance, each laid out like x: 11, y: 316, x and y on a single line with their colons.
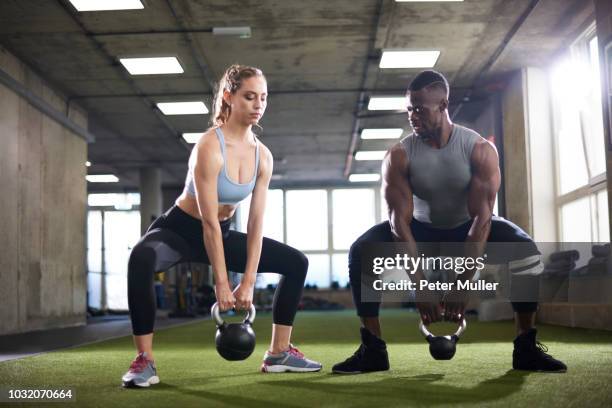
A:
x: 230, y: 81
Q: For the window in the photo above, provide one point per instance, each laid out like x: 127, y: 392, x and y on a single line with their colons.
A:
x: 575, y: 226
x: 118, y: 201
x: 352, y: 211
x: 580, y: 145
x: 353, y: 214
x: 340, y: 269
x: 111, y: 234
x: 121, y: 233
x: 307, y: 219
x: 94, y: 259
x: 603, y: 221
x: 318, y: 270
x: 273, y: 217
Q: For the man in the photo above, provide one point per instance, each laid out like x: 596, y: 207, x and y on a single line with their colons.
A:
x: 440, y: 185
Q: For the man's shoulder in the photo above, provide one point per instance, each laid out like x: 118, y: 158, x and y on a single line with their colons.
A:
x: 407, y: 142
x: 408, y: 138
x: 467, y: 132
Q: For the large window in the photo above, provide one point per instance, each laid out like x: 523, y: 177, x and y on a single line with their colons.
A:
x: 353, y: 214
x: 273, y: 216
x: 94, y: 259
x: 322, y: 223
x: 307, y: 219
x: 111, y: 234
x: 274, y: 227
x: 580, y: 147
x: 121, y: 233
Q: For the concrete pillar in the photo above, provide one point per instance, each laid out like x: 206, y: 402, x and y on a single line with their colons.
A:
x: 150, y: 196
x: 516, y: 154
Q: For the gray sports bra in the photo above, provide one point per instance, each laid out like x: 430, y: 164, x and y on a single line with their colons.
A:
x: 229, y: 192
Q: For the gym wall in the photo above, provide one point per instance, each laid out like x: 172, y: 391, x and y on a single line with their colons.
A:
x: 43, y: 203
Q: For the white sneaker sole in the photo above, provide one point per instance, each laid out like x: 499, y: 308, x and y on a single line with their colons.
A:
x: 151, y: 381
x: 288, y: 369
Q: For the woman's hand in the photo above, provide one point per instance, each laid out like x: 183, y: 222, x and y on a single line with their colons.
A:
x: 244, y: 295
x: 225, y: 297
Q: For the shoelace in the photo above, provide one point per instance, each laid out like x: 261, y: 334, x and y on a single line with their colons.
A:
x: 357, y: 354
x: 139, y: 364
x: 295, y: 351
x: 541, y: 347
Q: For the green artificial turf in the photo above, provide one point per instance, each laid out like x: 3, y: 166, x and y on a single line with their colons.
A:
x: 192, y: 374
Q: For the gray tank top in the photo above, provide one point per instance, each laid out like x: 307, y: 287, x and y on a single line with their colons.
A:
x: 440, y: 178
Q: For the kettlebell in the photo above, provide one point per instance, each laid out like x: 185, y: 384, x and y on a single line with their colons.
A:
x: 234, y: 341
x: 443, y: 347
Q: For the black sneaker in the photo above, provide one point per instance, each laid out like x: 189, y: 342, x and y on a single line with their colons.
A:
x: 530, y: 355
x: 370, y: 356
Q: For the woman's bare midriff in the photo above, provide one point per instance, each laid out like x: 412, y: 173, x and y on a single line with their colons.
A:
x: 189, y: 204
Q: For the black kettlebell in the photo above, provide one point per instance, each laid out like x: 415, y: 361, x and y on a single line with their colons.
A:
x: 235, y: 341
x: 443, y: 347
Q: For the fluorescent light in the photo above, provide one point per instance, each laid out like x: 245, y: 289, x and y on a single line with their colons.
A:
x: 88, y: 163
x: 105, y: 5
x: 192, y: 137
x: 356, y: 178
x: 183, y: 108
x: 391, y: 133
x: 387, y: 103
x: 277, y: 176
x: 370, y: 155
x: 409, y: 59
x: 242, y: 32
x: 152, y: 65
x: 101, y: 178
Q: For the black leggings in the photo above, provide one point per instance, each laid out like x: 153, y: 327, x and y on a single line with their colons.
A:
x: 502, y: 230
x: 177, y: 237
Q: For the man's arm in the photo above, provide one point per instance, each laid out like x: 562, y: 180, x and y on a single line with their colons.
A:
x: 486, y: 179
x: 481, y: 198
x: 398, y: 194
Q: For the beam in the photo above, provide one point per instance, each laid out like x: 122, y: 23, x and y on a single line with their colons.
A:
x: 45, y: 107
x: 362, y: 95
x: 493, y: 58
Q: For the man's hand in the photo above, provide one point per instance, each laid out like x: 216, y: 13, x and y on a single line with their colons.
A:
x: 454, y: 305
x: 244, y: 295
x: 225, y: 297
x: 428, y: 305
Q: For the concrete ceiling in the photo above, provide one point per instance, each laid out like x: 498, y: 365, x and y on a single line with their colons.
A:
x: 320, y: 58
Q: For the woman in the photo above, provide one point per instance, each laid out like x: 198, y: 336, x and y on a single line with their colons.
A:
x: 226, y: 165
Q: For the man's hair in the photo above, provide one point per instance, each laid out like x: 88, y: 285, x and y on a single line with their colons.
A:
x: 429, y: 79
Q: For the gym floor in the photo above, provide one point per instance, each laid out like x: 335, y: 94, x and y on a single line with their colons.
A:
x: 192, y: 374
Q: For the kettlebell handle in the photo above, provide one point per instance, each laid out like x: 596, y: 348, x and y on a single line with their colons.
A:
x: 216, y: 314
x: 427, y: 333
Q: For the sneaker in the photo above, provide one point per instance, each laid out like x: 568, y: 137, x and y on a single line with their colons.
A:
x: 291, y: 360
x: 530, y: 355
x: 370, y: 356
x: 142, y: 373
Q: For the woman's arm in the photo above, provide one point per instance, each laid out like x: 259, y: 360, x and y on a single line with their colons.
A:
x: 244, y: 294
x: 206, y: 170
